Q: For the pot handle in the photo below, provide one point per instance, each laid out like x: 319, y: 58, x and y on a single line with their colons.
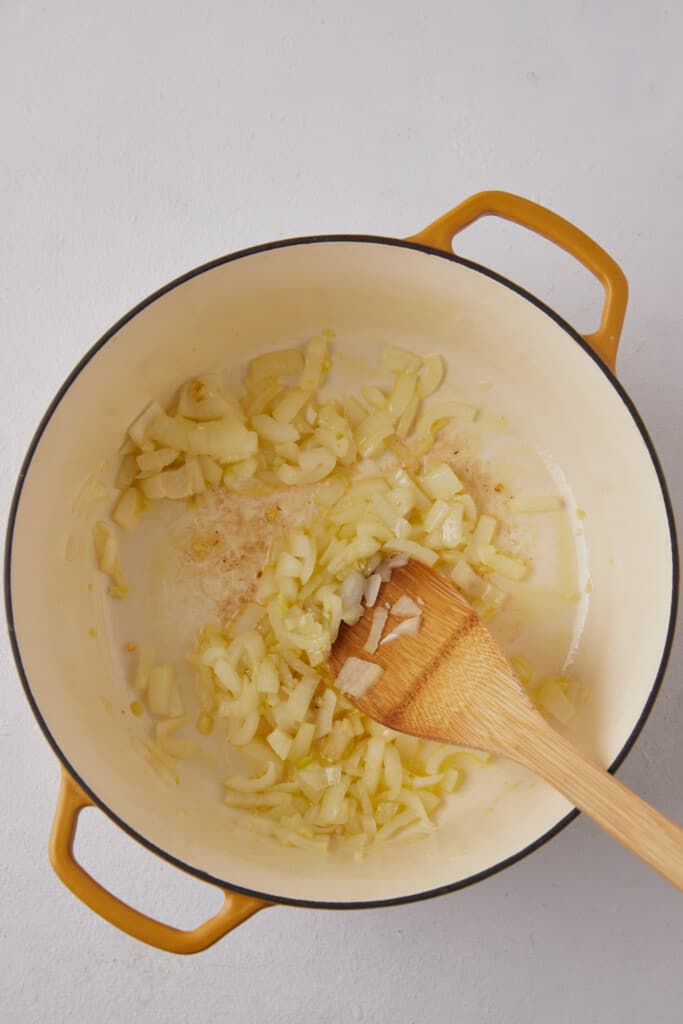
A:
x: 440, y: 234
x: 236, y: 909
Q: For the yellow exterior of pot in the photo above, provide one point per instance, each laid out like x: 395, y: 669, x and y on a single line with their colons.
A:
x: 236, y: 909
x: 440, y: 234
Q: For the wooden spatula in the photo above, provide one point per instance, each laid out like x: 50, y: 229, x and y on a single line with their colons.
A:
x: 450, y: 682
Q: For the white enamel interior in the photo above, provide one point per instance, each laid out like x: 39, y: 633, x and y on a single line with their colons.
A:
x: 368, y: 292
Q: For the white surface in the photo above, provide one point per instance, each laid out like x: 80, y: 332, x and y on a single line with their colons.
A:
x: 144, y: 139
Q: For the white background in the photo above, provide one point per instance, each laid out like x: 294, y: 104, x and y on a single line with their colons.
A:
x: 142, y: 138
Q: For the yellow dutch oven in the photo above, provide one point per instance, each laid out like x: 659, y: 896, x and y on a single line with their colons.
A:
x: 561, y: 389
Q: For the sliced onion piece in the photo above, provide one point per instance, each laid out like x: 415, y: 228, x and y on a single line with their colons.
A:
x: 413, y: 550
x: 325, y: 714
x: 439, y: 414
x: 351, y: 592
x: 405, y: 608
x: 357, y: 676
x: 243, y: 784
x: 301, y: 744
x: 400, y: 360
x: 441, y: 482
x: 128, y: 509
x: 202, y: 399
x: 281, y: 742
x: 371, y: 590
x: 378, y: 623
x: 315, y: 361
x: 274, y: 431
x: 275, y: 364
x: 140, y: 429
x: 372, y: 433
x: 314, y: 465
x: 408, y: 627
x: 150, y: 463
x: 432, y: 375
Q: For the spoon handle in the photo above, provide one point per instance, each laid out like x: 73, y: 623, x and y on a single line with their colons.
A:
x: 620, y: 812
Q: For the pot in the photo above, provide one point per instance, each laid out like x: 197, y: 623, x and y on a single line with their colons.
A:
x: 558, y: 386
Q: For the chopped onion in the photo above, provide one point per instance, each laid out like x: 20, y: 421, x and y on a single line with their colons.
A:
x: 227, y: 676
x: 301, y: 744
x: 267, y: 677
x: 274, y: 431
x: 127, y: 471
x: 351, y: 592
x: 432, y: 375
x: 397, y: 561
x: 325, y: 713
x: 297, y: 705
x: 109, y: 561
x: 436, y: 515
x: 511, y: 568
x: 407, y: 418
x: 275, y: 364
x: 393, y: 771
x: 336, y: 743
x: 397, y: 360
x: 402, y: 394
x: 440, y: 414
x: 408, y: 627
x: 484, y: 532
x: 280, y: 742
x: 379, y: 619
x: 242, y: 732
x: 374, y: 759
x: 440, y: 482
x: 243, y: 784
x: 150, y: 463
x: 357, y: 676
x: 467, y: 580
x: 203, y: 399
x: 314, y: 363
x: 319, y: 771
x: 170, y: 432
x: 417, y: 551
x: 314, y: 465
x: 228, y: 441
x: 290, y: 405
x: 452, y: 528
x: 371, y: 590
x: 211, y: 470
x: 374, y: 396
x: 140, y: 429
x: 372, y: 432
x: 128, y: 509
x: 405, y: 607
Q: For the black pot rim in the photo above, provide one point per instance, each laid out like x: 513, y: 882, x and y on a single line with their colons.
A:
x: 241, y: 254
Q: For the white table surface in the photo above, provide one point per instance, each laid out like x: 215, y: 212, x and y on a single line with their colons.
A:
x: 140, y: 139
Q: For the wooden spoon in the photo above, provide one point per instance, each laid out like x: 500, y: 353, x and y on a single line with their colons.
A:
x: 450, y: 682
